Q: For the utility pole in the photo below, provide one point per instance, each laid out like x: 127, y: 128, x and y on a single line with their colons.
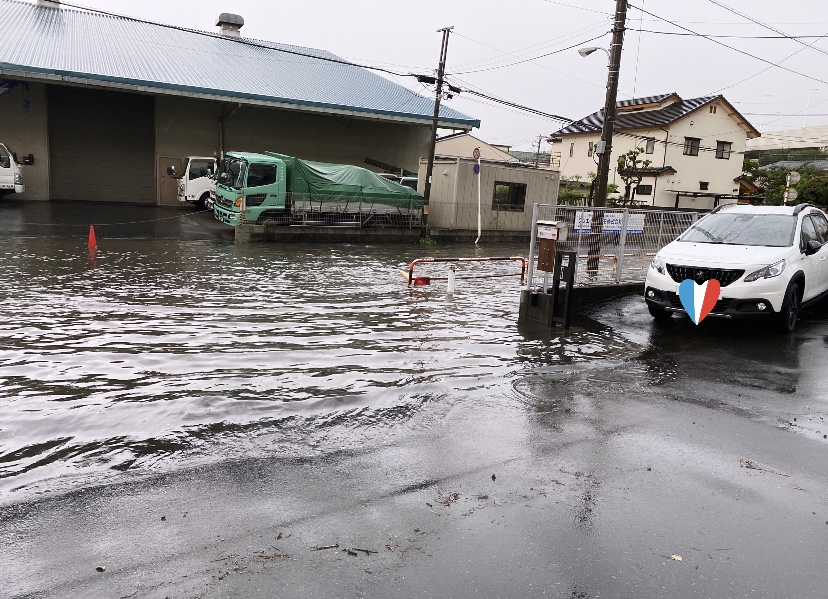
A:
x: 605, y: 146
x: 537, y: 154
x: 441, y: 71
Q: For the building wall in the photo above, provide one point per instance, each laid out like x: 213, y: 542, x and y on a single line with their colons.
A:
x: 710, y: 127
x: 187, y: 127
x: 454, y: 196
x: 704, y: 167
x: 25, y: 131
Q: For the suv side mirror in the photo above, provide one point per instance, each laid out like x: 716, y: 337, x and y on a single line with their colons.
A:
x: 813, y: 247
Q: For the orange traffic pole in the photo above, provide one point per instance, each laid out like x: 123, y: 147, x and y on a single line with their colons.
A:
x: 93, y: 243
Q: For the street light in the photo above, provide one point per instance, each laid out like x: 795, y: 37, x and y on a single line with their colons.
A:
x: 590, y: 50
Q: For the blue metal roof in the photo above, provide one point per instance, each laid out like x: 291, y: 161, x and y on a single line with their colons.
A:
x: 77, y: 45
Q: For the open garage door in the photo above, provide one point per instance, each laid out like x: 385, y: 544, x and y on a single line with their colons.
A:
x: 101, y: 145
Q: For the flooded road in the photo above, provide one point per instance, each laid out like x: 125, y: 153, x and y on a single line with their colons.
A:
x: 201, y: 419
x: 160, y: 354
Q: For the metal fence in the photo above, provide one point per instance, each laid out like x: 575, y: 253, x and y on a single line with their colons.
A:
x: 613, y: 245
x: 310, y: 210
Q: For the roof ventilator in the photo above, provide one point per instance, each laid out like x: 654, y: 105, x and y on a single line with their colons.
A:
x: 230, y: 24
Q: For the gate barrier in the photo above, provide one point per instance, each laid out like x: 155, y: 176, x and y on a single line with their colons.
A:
x: 412, y: 280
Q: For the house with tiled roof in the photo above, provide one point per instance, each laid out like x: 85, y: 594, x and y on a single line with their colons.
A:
x: 105, y: 103
x: 695, y: 148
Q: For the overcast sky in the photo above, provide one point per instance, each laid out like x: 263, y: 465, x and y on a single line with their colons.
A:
x: 491, y: 36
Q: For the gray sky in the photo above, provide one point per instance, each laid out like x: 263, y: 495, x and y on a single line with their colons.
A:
x: 489, y: 37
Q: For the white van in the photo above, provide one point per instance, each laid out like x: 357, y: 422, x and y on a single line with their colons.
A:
x: 196, y: 181
x: 11, y: 177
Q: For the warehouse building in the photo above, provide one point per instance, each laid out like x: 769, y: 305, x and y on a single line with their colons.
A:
x: 105, y: 103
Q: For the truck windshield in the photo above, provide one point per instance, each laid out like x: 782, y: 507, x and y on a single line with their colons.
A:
x: 770, y: 230
x: 232, y: 173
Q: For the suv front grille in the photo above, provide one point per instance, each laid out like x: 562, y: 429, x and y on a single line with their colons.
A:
x: 721, y: 306
x: 700, y: 274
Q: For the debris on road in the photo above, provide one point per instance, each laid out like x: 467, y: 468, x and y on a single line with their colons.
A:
x: 760, y: 466
x: 321, y: 547
x: 676, y: 557
x: 100, y: 568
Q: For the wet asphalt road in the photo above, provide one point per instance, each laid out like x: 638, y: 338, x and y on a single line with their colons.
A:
x: 705, y: 442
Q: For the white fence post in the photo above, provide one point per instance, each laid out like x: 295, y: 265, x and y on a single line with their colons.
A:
x: 532, y: 241
x: 622, y: 242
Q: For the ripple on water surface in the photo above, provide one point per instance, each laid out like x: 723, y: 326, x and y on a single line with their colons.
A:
x: 163, y: 354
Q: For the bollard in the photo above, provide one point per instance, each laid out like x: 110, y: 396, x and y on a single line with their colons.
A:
x: 451, y: 280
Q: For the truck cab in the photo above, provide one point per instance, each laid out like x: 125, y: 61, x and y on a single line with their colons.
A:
x: 251, y: 188
x: 11, y: 177
x: 195, y: 182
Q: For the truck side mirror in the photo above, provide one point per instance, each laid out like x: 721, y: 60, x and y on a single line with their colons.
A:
x: 171, y: 171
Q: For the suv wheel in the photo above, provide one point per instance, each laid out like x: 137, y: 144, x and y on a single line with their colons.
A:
x: 659, y: 314
x: 786, y: 322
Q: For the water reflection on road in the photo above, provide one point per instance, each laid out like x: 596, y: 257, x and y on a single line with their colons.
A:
x: 160, y: 354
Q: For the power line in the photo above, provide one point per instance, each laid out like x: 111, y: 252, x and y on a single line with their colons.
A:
x: 715, y: 41
x: 527, y: 50
x: 534, y: 58
x: 752, y: 20
x: 741, y: 37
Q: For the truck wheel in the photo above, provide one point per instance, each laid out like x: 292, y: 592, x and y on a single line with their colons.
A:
x: 659, y: 314
x: 786, y: 319
x: 204, y: 202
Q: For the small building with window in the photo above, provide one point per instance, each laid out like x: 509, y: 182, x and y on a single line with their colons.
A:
x: 507, y: 191
x: 695, y: 148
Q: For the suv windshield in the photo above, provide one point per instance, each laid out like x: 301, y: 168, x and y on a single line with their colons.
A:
x: 771, y: 230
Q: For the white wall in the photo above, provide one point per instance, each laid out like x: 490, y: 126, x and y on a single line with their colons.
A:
x: 454, y: 194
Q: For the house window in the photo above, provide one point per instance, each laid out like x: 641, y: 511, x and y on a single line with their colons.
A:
x: 509, y: 196
x: 591, y: 149
x: 704, y: 185
x: 712, y: 110
x: 650, y: 146
x: 691, y: 146
x: 723, y: 149
x: 571, y: 149
x: 644, y: 190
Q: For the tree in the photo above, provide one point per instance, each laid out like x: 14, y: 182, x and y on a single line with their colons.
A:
x: 814, y: 191
x: 772, y: 181
x: 632, y: 171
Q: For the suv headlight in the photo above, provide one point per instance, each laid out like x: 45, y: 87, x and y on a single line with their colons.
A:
x: 657, y: 266
x: 774, y: 270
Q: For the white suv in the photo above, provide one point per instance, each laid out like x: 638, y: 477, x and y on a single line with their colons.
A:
x: 769, y: 261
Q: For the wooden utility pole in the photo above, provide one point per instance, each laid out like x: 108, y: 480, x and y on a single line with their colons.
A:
x: 605, y: 146
x: 604, y: 150
x: 441, y: 71
x: 537, y: 154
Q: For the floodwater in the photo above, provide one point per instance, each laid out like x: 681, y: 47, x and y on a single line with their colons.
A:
x: 158, y: 354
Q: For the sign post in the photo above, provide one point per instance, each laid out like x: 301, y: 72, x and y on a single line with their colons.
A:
x: 476, y: 155
x: 790, y: 194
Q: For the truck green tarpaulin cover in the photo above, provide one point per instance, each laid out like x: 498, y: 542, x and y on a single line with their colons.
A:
x: 324, y: 182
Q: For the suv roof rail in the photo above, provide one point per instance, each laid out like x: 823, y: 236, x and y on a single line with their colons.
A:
x: 802, y: 207
x: 721, y: 207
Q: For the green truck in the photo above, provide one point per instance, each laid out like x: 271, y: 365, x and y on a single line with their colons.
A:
x: 271, y: 188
